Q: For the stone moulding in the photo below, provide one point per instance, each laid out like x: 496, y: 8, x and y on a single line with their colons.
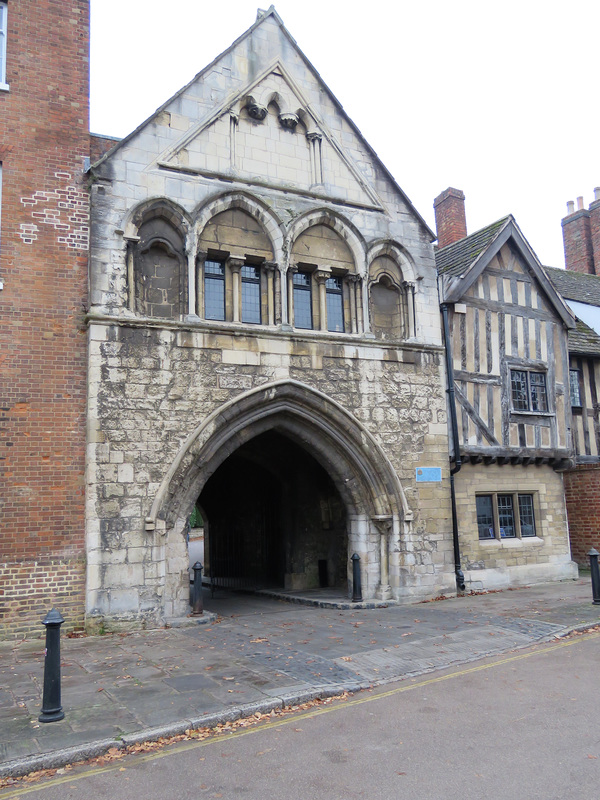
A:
x: 360, y: 468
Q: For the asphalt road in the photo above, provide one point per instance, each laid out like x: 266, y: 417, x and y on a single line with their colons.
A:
x: 522, y: 725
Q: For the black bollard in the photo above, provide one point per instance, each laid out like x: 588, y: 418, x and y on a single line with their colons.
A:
x: 356, y: 587
x: 593, y: 555
x: 197, y: 607
x: 51, y: 706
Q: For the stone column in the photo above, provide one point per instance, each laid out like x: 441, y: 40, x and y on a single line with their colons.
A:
x: 352, y: 281
x: 191, y: 275
x: 292, y: 269
x: 322, y: 275
x: 200, y: 259
x: 384, y: 527
x: 269, y: 267
x: 235, y: 265
x: 409, y: 289
x: 131, y: 243
x: 365, y: 307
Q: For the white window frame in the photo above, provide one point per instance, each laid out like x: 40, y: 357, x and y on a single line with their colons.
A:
x: 3, y: 32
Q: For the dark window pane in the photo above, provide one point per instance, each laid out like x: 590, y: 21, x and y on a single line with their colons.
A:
x: 526, y: 517
x: 251, y: 294
x: 485, y: 516
x: 518, y: 385
x: 214, y: 290
x: 335, y: 306
x: 506, y: 516
x: 537, y: 383
x: 302, y: 300
x: 574, y: 386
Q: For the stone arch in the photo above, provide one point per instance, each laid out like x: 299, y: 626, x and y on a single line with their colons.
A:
x: 157, y: 262
x: 354, y: 461
x: 358, y: 465
x: 253, y: 207
x: 156, y: 207
x: 391, y: 291
x: 397, y: 253
x: 347, y: 232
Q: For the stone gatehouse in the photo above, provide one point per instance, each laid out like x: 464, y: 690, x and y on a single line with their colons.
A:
x: 264, y: 347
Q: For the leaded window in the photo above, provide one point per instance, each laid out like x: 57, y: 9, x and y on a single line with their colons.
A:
x: 528, y: 390
x: 574, y: 388
x: 335, y: 304
x: 505, y: 515
x: 485, y: 516
x: 214, y: 290
x: 251, y: 295
x: 302, y: 300
x: 526, y: 517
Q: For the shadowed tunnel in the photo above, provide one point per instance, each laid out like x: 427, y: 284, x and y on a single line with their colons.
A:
x: 273, y: 518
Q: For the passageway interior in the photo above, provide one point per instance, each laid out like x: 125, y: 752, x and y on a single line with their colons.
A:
x: 273, y: 519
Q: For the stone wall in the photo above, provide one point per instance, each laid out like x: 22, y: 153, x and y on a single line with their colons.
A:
x: 151, y: 387
x: 501, y: 562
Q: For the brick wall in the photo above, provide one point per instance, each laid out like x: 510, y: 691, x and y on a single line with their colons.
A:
x: 582, y: 492
x: 43, y: 265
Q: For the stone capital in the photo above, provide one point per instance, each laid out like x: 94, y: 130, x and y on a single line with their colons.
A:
x: 235, y: 264
x: 323, y: 274
x: 383, y: 523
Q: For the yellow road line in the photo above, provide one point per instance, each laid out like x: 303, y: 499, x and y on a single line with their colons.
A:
x: 182, y: 747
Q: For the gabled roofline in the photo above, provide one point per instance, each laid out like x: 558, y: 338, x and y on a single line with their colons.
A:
x: 271, y: 12
x: 457, y: 287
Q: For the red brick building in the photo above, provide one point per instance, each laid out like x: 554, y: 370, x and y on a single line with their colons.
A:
x: 579, y: 284
x: 44, y: 144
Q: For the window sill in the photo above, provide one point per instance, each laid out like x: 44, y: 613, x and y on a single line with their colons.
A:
x: 4, y: 87
x: 516, y: 413
x: 511, y: 542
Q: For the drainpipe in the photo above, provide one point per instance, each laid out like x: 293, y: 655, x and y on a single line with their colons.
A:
x: 460, y: 578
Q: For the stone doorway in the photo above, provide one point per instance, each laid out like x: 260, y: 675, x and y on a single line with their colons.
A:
x: 273, y: 519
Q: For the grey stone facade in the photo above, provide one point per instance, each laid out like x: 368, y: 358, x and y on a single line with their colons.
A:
x: 264, y: 325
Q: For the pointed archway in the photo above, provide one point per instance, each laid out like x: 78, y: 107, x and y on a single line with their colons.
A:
x: 375, y: 508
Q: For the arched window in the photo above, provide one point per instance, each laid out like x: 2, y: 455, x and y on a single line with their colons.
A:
x: 236, y: 275
x: 388, y: 299
x: 322, y: 288
x: 159, y: 270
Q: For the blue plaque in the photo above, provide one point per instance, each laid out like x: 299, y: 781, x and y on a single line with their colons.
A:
x: 429, y: 474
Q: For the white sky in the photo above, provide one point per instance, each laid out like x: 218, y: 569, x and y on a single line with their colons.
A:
x: 498, y: 99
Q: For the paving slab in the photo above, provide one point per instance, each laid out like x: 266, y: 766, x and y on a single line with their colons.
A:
x: 259, y: 653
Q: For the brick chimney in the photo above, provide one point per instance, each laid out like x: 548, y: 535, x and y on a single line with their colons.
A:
x: 595, y: 228
x: 578, y: 237
x: 450, y: 219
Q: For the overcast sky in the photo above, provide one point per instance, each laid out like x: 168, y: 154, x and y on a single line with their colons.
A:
x: 500, y: 100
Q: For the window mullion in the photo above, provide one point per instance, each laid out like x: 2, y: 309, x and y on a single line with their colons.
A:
x: 496, y: 516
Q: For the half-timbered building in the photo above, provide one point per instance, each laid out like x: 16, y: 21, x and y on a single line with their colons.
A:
x: 506, y: 336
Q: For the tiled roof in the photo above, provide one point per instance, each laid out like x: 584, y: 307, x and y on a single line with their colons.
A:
x: 583, y: 339
x: 455, y: 259
x: 575, y: 285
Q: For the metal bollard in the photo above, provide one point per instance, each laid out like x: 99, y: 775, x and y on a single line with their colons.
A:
x: 51, y: 706
x: 593, y: 556
x: 197, y: 607
x: 356, y: 587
